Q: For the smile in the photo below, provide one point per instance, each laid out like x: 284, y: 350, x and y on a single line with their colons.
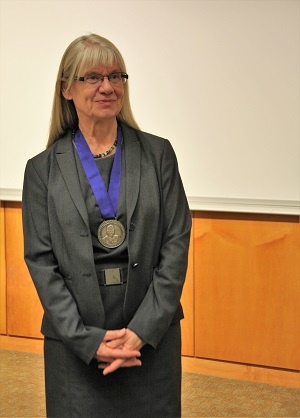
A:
x: 105, y: 101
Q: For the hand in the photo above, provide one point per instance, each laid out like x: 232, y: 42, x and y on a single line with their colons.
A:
x: 112, y: 347
x: 119, y: 348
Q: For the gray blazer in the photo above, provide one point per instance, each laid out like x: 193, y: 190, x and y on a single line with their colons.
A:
x: 59, y: 252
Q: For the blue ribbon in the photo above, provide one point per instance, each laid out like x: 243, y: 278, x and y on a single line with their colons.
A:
x: 107, y: 200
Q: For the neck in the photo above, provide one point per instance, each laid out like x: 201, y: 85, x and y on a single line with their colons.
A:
x: 100, y: 136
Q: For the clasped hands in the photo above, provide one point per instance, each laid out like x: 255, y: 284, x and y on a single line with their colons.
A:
x: 119, y: 348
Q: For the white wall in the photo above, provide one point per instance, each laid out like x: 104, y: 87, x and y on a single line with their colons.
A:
x: 219, y: 78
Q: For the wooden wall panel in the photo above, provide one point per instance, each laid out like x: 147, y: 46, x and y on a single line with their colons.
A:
x: 241, y: 296
x: 187, y: 300
x: 247, y: 289
x: 24, y: 311
x: 2, y: 272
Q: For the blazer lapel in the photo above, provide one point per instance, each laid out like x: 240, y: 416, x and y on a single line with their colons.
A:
x: 133, y: 168
x: 67, y: 164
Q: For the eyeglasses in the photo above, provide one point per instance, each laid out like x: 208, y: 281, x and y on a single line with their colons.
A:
x: 95, y: 78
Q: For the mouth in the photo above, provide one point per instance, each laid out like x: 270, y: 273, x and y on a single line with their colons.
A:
x: 105, y: 101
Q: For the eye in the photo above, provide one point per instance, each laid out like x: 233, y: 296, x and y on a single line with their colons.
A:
x: 115, y: 77
x: 94, y: 77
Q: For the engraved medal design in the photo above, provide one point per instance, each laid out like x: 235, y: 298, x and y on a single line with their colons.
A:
x: 111, y: 233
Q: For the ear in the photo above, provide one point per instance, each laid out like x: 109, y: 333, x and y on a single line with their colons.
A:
x: 66, y: 93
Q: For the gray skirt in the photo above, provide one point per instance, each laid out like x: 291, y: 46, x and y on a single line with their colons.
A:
x: 77, y: 390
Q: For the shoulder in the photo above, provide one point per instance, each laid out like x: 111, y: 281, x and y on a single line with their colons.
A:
x: 39, y: 167
x: 148, y: 141
x: 44, y: 158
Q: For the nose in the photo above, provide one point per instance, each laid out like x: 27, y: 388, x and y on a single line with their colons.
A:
x: 105, y: 86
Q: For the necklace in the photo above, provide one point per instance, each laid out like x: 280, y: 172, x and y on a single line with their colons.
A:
x: 105, y: 153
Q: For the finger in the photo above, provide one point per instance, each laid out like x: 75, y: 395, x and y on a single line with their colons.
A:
x: 113, y: 366
x: 117, y: 343
x: 126, y: 363
x: 115, y: 353
x: 102, y: 365
x: 132, y: 362
x: 117, y: 364
x: 105, y: 359
x: 114, y: 334
x: 121, y: 353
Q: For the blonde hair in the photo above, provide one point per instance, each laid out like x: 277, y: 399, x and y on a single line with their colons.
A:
x: 85, y: 51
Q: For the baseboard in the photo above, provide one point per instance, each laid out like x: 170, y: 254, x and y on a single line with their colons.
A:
x: 189, y: 364
x: 32, y: 345
x: 241, y: 372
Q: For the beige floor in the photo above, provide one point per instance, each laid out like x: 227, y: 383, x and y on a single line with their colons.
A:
x: 22, y: 393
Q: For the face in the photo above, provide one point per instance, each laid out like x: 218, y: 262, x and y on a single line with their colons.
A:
x: 96, y: 103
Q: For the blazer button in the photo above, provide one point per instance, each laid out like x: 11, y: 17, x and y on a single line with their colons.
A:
x: 131, y: 226
x: 134, y: 265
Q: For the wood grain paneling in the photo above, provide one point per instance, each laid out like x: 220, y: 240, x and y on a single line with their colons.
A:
x: 241, y: 295
x: 33, y: 345
x: 187, y: 300
x: 24, y: 311
x: 241, y: 372
x: 247, y: 289
x: 2, y: 272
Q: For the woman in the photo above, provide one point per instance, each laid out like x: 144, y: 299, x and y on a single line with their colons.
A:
x: 106, y: 227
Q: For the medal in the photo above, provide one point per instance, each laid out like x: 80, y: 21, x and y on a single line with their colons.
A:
x: 111, y: 233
